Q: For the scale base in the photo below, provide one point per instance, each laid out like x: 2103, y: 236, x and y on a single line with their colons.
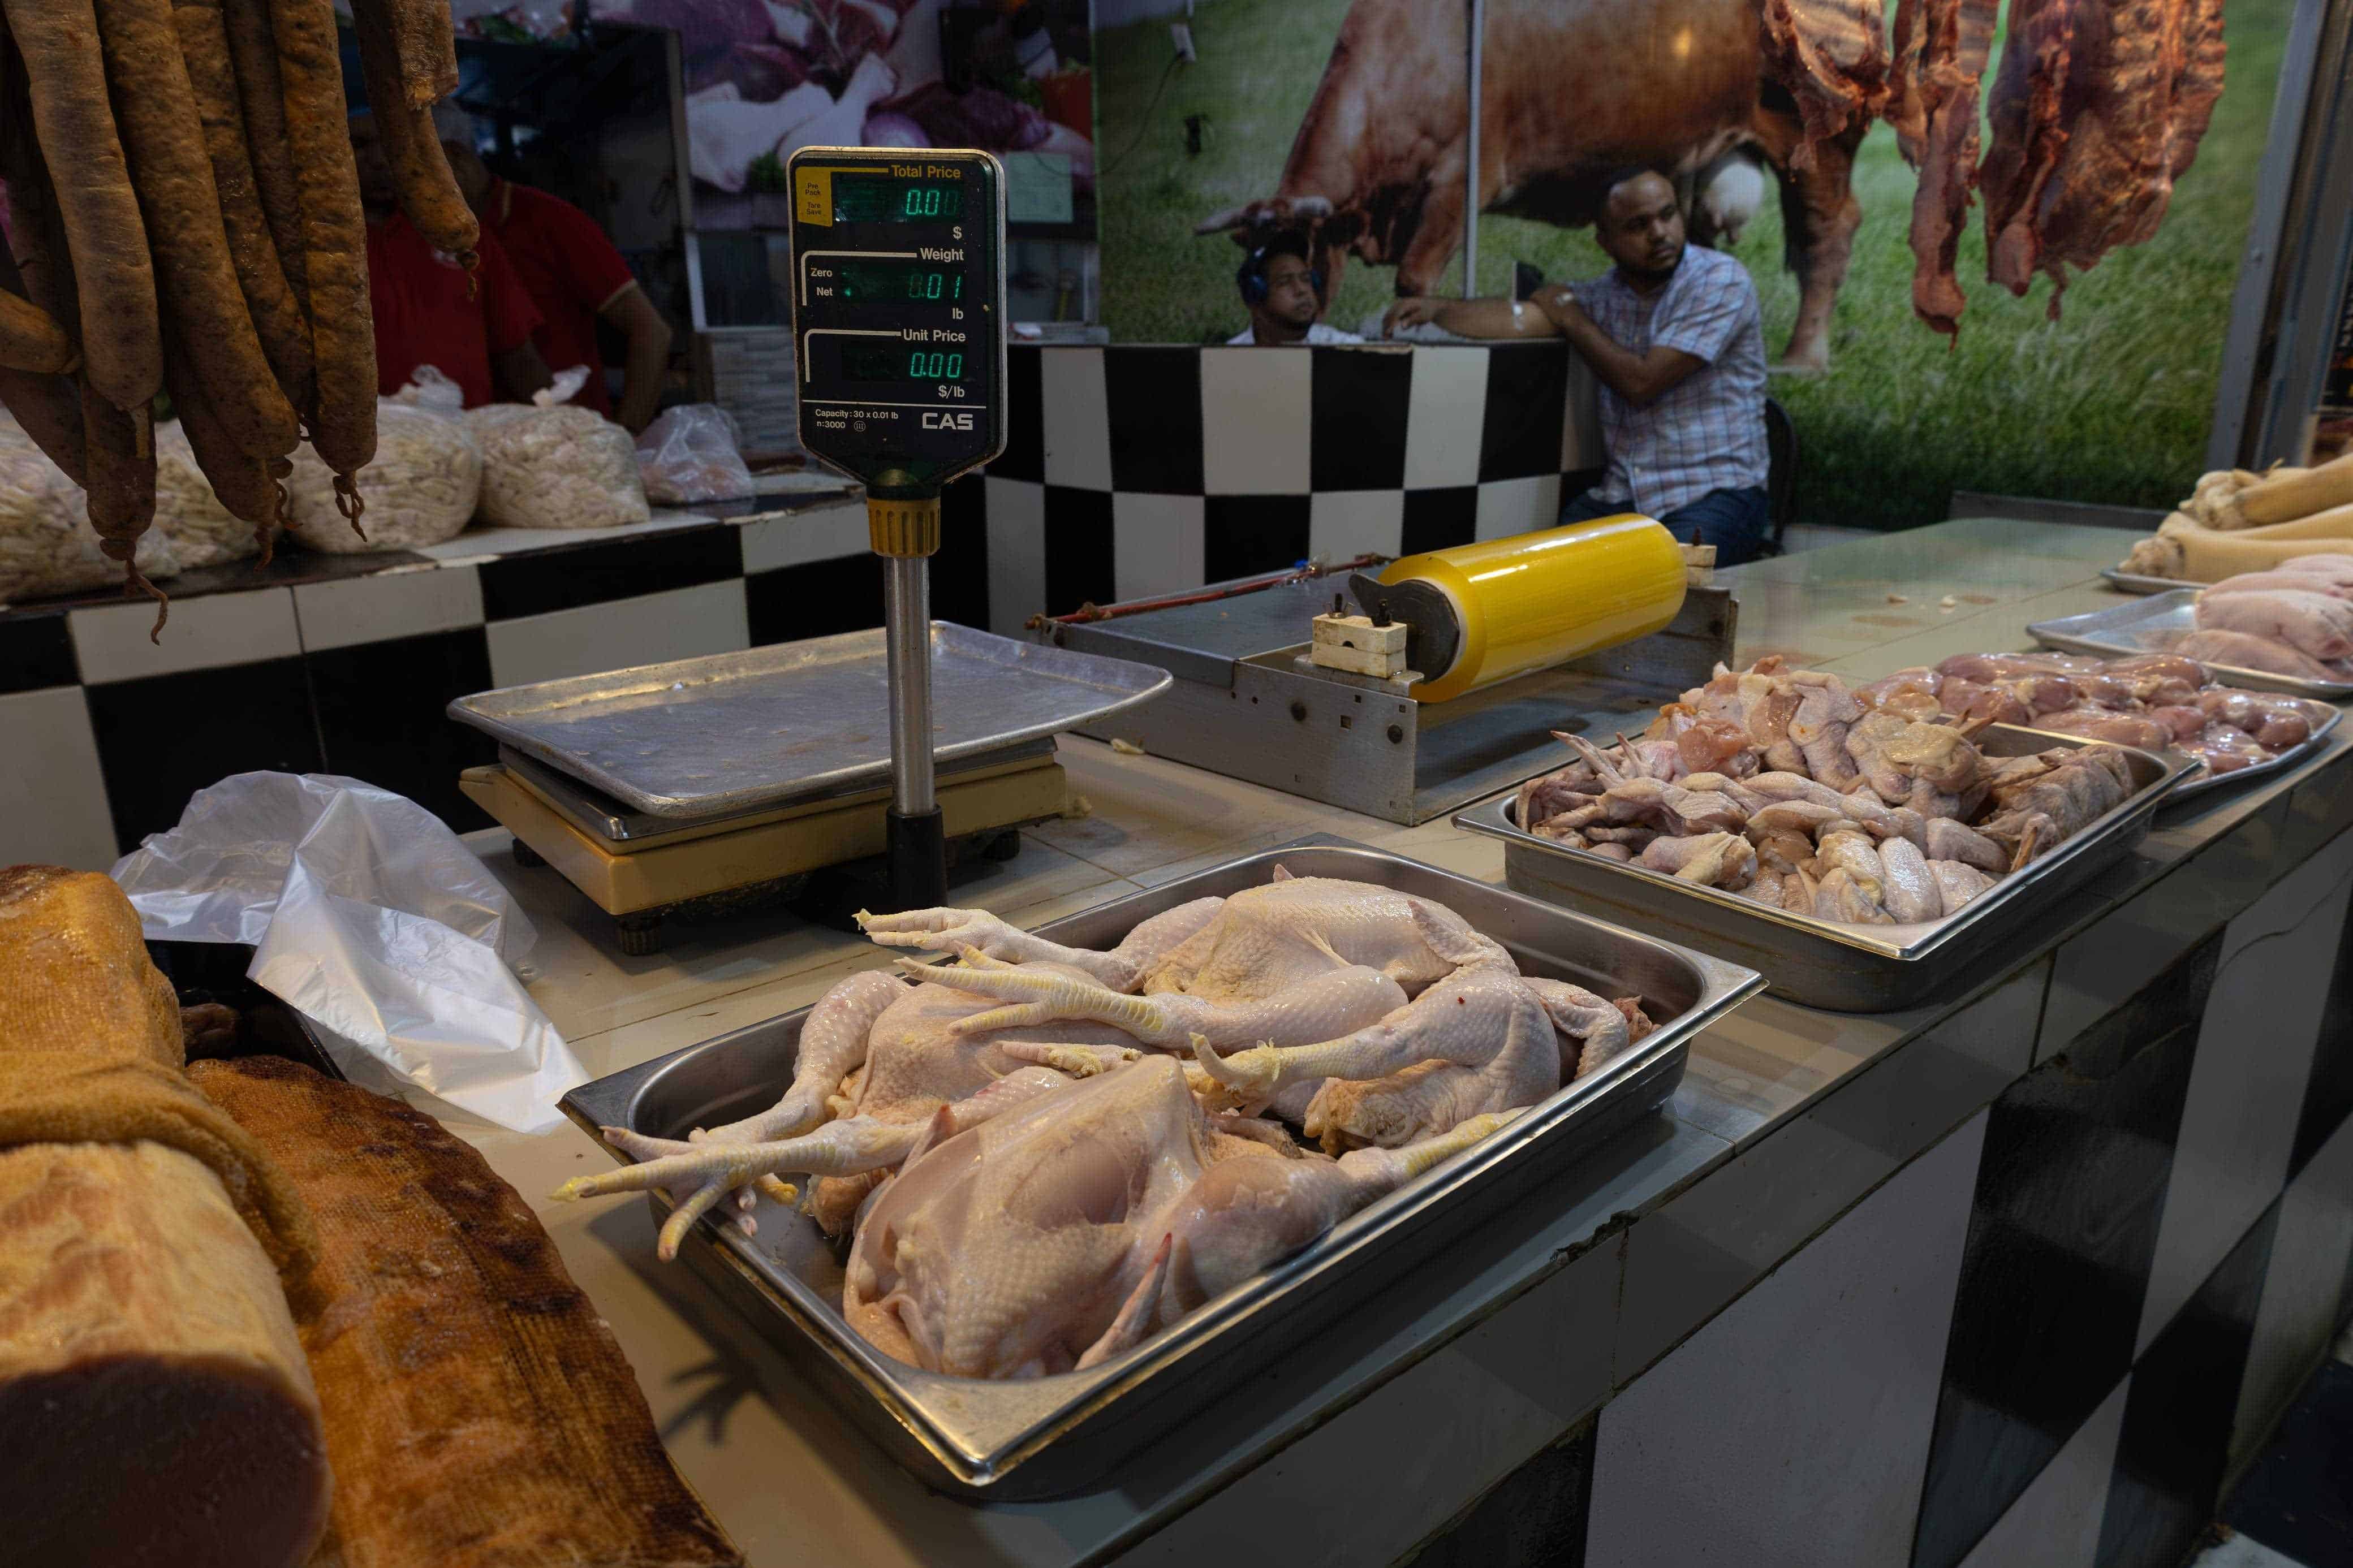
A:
x: 825, y: 864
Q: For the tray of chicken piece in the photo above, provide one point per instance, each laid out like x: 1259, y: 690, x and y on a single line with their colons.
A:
x: 1863, y: 861
x: 2288, y: 629
x: 2155, y: 701
x: 1023, y: 1211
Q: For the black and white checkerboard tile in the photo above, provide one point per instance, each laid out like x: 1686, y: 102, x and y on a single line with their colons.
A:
x: 1136, y: 471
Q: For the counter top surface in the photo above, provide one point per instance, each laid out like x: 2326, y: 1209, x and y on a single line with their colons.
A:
x: 794, y: 1483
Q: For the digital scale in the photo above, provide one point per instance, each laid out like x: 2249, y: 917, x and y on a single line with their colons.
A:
x: 898, y: 277
x: 707, y: 786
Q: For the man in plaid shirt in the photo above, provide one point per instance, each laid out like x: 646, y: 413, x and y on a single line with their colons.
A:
x: 1675, y: 335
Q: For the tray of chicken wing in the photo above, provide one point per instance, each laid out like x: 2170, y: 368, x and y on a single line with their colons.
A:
x: 1024, y: 1200
x: 2155, y: 701
x: 1864, y: 859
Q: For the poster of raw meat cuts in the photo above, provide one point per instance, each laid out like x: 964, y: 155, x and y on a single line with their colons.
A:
x: 766, y: 78
x: 1996, y: 241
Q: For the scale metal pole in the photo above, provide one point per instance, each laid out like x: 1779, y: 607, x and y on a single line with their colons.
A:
x: 906, y: 534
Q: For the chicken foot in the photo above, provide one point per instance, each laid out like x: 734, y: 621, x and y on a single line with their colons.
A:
x: 1122, y: 968
x: 1314, y: 1009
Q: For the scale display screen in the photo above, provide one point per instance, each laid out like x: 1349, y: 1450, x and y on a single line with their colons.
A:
x: 898, y: 269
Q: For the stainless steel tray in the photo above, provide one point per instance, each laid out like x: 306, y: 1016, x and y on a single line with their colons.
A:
x: 2324, y: 719
x: 1055, y: 1434
x: 2155, y: 625
x: 2125, y: 582
x: 1829, y: 963
x: 735, y: 732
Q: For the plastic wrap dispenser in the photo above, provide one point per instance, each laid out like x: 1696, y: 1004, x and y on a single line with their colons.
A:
x: 1481, y: 613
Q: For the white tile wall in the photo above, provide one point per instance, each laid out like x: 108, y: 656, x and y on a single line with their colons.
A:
x: 1078, y: 437
x: 2297, y: 1315
x: 2055, y: 1523
x: 682, y: 623
x: 1017, y: 550
x: 389, y: 604
x: 1518, y: 506
x: 1344, y: 524
x: 205, y: 633
x: 1446, y: 413
x: 2246, y: 1086
x: 53, y: 806
x: 1792, y: 1432
x: 1254, y: 421
x: 1155, y: 545
x: 821, y: 534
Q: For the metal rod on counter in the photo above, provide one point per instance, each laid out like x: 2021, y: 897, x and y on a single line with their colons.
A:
x: 906, y: 533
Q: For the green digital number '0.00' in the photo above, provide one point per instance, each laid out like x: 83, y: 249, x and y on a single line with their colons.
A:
x: 942, y: 366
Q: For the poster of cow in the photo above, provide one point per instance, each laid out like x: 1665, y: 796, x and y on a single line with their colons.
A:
x: 1996, y: 242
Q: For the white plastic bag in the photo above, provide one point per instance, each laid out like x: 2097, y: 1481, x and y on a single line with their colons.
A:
x: 548, y: 464
x: 692, y: 454
x: 203, y: 531
x: 47, y: 545
x: 370, y: 918
x: 421, y: 488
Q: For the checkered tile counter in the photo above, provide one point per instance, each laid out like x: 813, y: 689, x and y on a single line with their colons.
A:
x: 1131, y: 471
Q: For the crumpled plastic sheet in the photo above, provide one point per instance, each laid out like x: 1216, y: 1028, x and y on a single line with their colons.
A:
x: 370, y: 917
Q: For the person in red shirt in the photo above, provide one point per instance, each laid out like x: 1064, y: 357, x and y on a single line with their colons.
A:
x: 418, y: 295
x: 574, y: 276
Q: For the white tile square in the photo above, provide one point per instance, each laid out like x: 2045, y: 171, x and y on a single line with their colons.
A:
x: 53, y: 806
x: 1156, y: 543
x: 1446, y: 414
x: 204, y: 632
x: 1345, y: 524
x: 681, y: 623
x: 1793, y: 1431
x: 1254, y: 421
x: 1439, y: 1433
x: 2055, y: 1521
x: 356, y: 610
x: 796, y: 539
x: 1580, y: 427
x: 2297, y: 1314
x: 2254, y: 1055
x: 1016, y: 553
x: 1507, y: 507
x: 1076, y: 435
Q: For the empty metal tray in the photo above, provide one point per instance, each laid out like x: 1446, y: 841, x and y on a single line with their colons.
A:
x: 735, y: 732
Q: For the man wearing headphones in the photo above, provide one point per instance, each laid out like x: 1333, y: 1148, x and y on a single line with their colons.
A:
x: 1282, y: 293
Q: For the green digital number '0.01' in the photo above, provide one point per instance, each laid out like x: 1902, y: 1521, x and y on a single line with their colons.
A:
x: 943, y: 366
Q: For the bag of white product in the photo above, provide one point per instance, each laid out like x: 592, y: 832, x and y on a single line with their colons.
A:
x: 547, y: 464
x: 203, y: 531
x: 421, y: 488
x: 47, y: 545
x: 693, y: 453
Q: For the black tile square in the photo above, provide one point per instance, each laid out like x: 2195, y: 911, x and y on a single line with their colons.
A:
x: 380, y: 717
x: 2328, y: 1091
x: 1436, y: 519
x: 2177, y: 1430
x: 600, y: 572
x: 1024, y: 457
x: 1245, y: 535
x: 2297, y: 1498
x: 960, y: 570
x: 1153, y: 404
x: 1537, y: 1515
x: 2062, y: 1230
x: 1356, y: 420
x: 1078, y: 548
x: 36, y: 651
x: 1528, y: 406
x: 164, y: 737
x: 816, y: 599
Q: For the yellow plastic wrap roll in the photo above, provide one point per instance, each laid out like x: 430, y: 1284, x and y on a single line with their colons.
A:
x: 1536, y: 599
